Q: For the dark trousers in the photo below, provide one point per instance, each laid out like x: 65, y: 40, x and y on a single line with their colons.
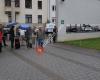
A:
x: 27, y: 42
x: 0, y: 47
x: 55, y: 38
x: 4, y: 41
x: 12, y: 42
x: 40, y: 42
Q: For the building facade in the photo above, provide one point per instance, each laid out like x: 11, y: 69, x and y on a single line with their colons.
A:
x: 77, y: 12
x: 52, y: 11
x: 23, y: 11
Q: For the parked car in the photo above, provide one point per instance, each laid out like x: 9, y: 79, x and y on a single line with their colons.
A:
x: 98, y: 28
x: 71, y: 29
x: 86, y: 28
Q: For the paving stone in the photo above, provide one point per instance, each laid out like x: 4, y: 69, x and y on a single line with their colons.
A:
x: 54, y: 64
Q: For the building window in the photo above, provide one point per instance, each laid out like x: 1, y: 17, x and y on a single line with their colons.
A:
x: 17, y: 3
x: 53, y: 20
x: 8, y: 3
x: 9, y: 17
x: 28, y: 18
x: 53, y: 8
x: 39, y: 18
x: 39, y: 4
x: 28, y: 4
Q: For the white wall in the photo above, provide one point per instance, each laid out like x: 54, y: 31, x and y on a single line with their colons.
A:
x: 77, y: 12
x: 51, y: 14
x: 80, y: 11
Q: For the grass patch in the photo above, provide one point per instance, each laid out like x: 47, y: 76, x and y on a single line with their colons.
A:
x: 93, y: 43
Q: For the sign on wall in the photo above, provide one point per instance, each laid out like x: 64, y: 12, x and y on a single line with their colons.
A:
x: 62, y: 21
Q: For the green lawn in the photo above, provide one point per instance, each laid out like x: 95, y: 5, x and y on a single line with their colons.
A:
x: 93, y: 43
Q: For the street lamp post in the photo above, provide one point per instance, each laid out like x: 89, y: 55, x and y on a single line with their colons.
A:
x: 13, y: 10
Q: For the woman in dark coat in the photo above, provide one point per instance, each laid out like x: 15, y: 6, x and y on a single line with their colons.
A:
x: 12, y: 35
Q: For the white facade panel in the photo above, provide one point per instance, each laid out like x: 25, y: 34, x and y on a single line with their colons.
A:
x: 77, y: 12
x: 51, y: 13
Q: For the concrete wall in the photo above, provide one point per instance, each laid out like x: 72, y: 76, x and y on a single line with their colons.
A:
x: 77, y: 12
x: 77, y: 36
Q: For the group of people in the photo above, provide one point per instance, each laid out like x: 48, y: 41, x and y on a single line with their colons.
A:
x: 15, y: 37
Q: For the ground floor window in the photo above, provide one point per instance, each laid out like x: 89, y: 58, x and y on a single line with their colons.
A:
x: 39, y: 18
x: 53, y: 20
x: 28, y: 18
x: 9, y: 18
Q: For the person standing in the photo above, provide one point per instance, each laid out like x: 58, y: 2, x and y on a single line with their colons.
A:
x: 4, y: 37
x: 1, y: 36
x: 28, y: 36
x: 34, y: 35
x: 22, y: 36
x: 17, y: 39
x: 40, y: 37
x: 12, y: 35
x: 55, y: 34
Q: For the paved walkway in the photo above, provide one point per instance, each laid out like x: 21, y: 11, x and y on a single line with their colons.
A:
x: 59, y: 62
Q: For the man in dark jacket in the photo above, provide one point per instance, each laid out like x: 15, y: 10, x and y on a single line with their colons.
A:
x: 12, y: 35
x: 55, y: 30
x: 28, y: 36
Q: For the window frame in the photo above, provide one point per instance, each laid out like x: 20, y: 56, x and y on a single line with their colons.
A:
x: 40, y: 5
x: 8, y: 3
x: 39, y: 19
x: 28, y: 18
x: 27, y: 4
x: 17, y: 3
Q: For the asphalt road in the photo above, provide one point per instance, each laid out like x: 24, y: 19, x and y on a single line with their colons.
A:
x: 58, y: 62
